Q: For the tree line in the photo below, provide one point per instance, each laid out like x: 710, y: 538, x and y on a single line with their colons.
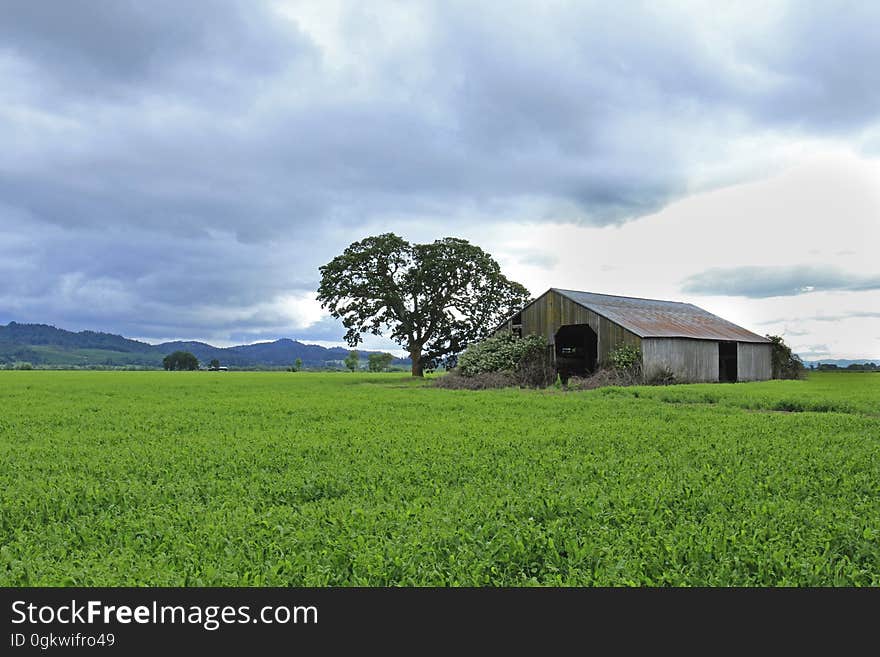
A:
x: 852, y: 367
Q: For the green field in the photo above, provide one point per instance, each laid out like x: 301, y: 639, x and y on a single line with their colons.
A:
x: 253, y: 479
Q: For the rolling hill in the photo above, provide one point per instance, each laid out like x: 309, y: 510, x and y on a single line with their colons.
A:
x: 48, y: 346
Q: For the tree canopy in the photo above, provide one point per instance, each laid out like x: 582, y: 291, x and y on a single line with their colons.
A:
x: 379, y: 362
x: 180, y: 360
x: 786, y: 364
x: 432, y: 299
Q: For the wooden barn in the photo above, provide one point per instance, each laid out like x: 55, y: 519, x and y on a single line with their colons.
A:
x: 584, y: 328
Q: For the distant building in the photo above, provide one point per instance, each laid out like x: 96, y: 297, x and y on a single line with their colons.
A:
x: 584, y: 328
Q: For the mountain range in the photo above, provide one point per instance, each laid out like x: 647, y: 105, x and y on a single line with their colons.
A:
x: 48, y: 346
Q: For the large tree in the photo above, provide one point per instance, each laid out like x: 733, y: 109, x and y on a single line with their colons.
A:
x: 433, y: 299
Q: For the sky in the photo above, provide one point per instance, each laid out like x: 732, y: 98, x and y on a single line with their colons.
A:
x: 180, y: 170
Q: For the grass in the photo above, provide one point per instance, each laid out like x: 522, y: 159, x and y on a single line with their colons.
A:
x: 256, y: 479
x: 843, y: 392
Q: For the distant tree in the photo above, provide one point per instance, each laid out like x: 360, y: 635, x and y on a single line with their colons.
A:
x: 378, y: 362
x: 434, y: 299
x: 180, y: 360
x: 352, y: 360
x: 297, y: 364
x: 215, y: 363
x: 786, y: 365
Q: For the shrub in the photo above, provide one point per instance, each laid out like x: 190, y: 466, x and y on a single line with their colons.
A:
x: 24, y: 366
x: 602, y: 378
x: 630, y: 375
x: 661, y: 376
x: 786, y: 365
x: 524, y: 361
x: 453, y: 380
x: 503, y: 353
x: 626, y: 358
x: 536, y: 368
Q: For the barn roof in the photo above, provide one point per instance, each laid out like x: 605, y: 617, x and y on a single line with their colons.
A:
x: 651, y: 318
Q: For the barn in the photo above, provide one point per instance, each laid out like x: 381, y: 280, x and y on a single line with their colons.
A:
x: 584, y: 328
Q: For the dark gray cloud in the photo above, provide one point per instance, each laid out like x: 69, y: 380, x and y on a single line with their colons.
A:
x: 762, y: 282
x: 138, y: 282
x: 178, y: 168
x: 819, y: 57
x: 126, y: 48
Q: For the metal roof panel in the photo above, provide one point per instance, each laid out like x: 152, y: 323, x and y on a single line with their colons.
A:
x: 653, y: 318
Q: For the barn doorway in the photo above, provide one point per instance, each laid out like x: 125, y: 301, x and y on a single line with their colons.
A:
x: 727, y: 362
x: 577, y: 347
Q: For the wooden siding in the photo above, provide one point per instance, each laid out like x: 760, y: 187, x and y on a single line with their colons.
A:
x: 551, y: 310
x: 753, y: 361
x: 690, y: 360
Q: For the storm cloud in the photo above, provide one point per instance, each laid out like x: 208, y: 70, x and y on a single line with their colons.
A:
x: 182, y: 169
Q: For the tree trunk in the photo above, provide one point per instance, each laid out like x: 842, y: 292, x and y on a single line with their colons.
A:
x: 415, y: 353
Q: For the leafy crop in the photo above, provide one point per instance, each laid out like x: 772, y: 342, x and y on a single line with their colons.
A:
x: 255, y: 479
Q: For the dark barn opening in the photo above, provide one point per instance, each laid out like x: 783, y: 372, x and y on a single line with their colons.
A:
x: 727, y: 362
x: 577, y: 347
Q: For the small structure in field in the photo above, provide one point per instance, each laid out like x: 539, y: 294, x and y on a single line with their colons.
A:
x: 695, y: 345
